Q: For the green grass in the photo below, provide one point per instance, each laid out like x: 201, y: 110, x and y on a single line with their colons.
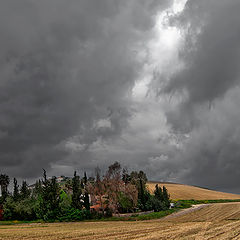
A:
x: 14, y: 222
x: 136, y: 217
x: 192, y: 201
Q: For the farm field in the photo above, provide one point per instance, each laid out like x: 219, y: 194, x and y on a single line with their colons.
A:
x: 213, y: 221
x: 186, y: 192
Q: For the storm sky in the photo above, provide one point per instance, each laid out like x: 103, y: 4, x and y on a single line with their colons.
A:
x: 153, y: 84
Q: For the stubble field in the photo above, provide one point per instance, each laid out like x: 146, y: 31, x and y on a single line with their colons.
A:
x: 186, y: 192
x: 214, y: 221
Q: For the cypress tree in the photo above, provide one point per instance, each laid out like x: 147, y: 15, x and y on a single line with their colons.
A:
x: 15, y: 190
x: 158, y: 193
x: 50, y: 198
x: 38, y: 188
x: 24, y: 191
x: 76, y: 196
x: 54, y: 194
x: 86, y: 196
x: 4, y: 182
x: 141, y: 194
x: 166, y: 197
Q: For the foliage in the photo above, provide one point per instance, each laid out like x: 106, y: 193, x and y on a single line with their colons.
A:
x: 48, y: 201
x: 115, y: 192
x: 166, y: 197
x: 124, y: 202
x: 24, y: 191
x: 21, y: 210
x: 86, y: 201
x: 4, y: 182
x: 73, y: 214
x: 15, y: 190
x: 192, y: 201
x: 77, y: 191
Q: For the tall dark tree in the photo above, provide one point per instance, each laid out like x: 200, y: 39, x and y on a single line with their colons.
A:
x: 158, y: 193
x: 54, y: 191
x: 77, y: 191
x: 15, y: 190
x: 50, y: 198
x: 166, y: 197
x: 86, y: 201
x: 142, y: 175
x: 24, y: 190
x: 4, y: 182
x: 37, y: 191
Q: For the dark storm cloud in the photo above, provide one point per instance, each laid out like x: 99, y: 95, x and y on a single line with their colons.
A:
x: 63, y: 66
x: 211, y: 54
x: 209, y: 88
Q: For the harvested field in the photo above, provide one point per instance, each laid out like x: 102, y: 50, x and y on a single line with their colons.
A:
x: 181, y: 191
x: 214, y: 221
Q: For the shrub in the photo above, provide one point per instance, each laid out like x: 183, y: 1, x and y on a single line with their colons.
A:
x: 21, y: 210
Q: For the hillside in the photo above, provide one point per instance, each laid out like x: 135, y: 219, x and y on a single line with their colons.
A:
x: 181, y: 191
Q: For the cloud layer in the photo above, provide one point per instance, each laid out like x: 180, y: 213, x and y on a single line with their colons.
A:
x: 65, y: 66
x: 86, y: 83
x: 206, y: 90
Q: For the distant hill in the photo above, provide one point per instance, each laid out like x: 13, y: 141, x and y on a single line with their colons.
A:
x: 181, y: 191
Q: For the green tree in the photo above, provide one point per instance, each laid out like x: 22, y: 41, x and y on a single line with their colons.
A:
x: 86, y: 201
x: 139, y: 179
x: 37, y: 191
x: 77, y: 191
x: 25, y: 192
x: 48, y: 208
x: 166, y: 197
x: 4, y: 182
x: 15, y: 190
x: 158, y: 193
x: 143, y: 196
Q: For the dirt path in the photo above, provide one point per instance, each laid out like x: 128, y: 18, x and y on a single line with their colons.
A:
x: 185, y: 211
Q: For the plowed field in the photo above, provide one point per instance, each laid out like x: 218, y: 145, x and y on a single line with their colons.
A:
x: 214, y: 221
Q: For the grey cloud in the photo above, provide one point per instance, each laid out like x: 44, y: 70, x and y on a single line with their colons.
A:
x: 211, y: 156
x: 209, y: 88
x: 210, y: 54
x: 64, y: 65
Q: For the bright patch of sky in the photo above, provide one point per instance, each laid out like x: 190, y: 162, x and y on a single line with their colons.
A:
x: 161, y: 50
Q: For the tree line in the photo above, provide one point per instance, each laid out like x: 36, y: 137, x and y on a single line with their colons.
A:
x: 117, y: 191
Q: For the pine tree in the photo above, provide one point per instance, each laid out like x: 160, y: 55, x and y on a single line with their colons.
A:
x: 4, y: 182
x: 142, y: 195
x: 166, y: 197
x: 38, y: 188
x: 50, y: 198
x: 24, y: 191
x: 15, y: 190
x: 54, y: 194
x: 77, y: 191
x: 86, y: 195
x: 158, y: 193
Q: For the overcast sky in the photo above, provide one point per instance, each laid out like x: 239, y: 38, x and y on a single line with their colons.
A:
x: 153, y: 84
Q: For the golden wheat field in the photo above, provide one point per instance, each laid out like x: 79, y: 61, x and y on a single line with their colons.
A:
x: 181, y: 191
x: 214, y: 221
